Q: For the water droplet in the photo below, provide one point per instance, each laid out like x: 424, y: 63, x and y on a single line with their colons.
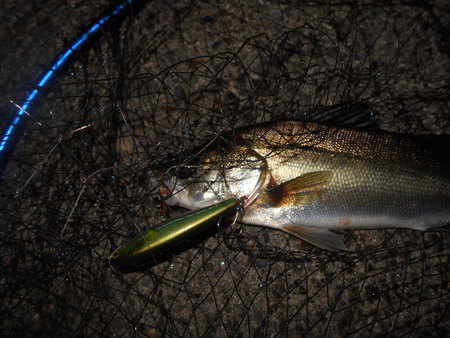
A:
x: 222, y: 263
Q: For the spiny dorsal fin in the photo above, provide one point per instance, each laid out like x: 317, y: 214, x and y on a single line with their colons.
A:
x: 353, y: 115
x: 319, y: 237
x: 307, y: 187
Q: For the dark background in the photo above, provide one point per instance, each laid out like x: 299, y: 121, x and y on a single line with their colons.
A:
x: 164, y: 80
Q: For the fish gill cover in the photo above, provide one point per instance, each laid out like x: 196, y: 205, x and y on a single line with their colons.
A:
x: 164, y: 80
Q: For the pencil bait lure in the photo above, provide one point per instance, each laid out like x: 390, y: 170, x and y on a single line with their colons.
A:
x: 147, y: 245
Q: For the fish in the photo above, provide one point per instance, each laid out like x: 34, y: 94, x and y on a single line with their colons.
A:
x: 310, y: 178
x: 149, y: 244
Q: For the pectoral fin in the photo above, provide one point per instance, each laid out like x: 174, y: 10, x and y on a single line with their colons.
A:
x: 305, y: 188
x: 319, y: 237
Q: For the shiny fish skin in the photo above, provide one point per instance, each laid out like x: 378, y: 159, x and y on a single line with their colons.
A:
x: 377, y: 180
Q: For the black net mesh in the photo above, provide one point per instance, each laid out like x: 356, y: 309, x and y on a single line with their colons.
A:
x: 164, y: 80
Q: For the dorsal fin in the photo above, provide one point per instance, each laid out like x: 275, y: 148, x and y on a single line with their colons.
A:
x: 354, y: 115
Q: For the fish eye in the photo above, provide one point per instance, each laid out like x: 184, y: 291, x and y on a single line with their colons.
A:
x: 115, y: 254
x: 209, y: 158
x: 184, y: 172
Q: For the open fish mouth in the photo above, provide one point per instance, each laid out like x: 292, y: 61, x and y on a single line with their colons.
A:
x: 172, y: 193
x: 176, y: 194
x: 214, y: 186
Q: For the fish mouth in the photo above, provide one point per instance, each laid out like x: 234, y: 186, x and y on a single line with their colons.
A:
x: 167, y: 191
x: 172, y: 194
x: 175, y: 194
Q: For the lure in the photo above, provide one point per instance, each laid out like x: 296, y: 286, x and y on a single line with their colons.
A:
x: 147, y: 245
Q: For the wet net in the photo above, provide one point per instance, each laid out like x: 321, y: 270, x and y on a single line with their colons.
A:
x: 164, y: 79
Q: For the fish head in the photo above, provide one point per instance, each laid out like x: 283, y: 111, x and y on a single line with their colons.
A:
x: 212, y: 177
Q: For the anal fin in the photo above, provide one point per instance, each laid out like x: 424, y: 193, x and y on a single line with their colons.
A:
x: 319, y: 237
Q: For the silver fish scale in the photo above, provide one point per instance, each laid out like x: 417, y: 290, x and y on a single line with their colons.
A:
x: 369, y: 188
x: 377, y: 180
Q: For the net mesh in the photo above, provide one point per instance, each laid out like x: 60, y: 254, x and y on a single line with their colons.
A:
x: 167, y: 79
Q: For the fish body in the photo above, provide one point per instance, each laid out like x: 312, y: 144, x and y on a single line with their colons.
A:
x: 147, y: 245
x: 375, y: 181
x: 306, y: 179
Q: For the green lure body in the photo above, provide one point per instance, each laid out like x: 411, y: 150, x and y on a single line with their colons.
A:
x: 145, y: 246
